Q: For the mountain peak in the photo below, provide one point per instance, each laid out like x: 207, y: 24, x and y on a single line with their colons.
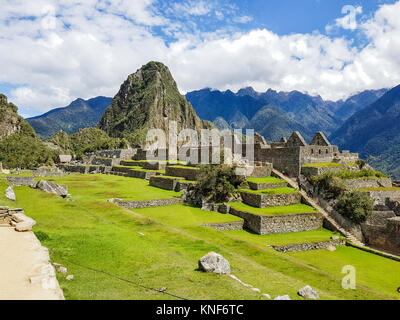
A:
x: 149, y: 98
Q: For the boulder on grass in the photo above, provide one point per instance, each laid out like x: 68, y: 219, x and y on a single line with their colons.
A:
x: 51, y: 187
x: 308, y: 293
x: 10, y: 194
x: 286, y: 297
x: 214, y: 263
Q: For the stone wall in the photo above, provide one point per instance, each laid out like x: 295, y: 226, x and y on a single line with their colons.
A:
x: 265, y: 186
x: 283, y: 159
x: 279, y: 224
x: 145, y: 165
x: 381, y: 197
x: 132, y: 173
x: 260, y: 200
x: 164, y: 183
x: 317, y: 171
x: 227, y: 226
x: 82, y: 169
x: 380, y: 231
x: 368, y: 183
x: 187, y: 173
x: 123, y: 154
x: 309, y: 246
x: 148, y: 204
x: 108, y: 162
x: 21, y: 181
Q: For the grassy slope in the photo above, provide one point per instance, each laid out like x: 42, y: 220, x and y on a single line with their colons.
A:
x: 266, y: 180
x: 94, y: 233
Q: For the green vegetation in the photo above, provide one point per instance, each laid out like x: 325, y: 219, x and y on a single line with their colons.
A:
x: 284, y: 190
x: 378, y: 272
x: 356, y: 206
x: 272, y: 211
x: 323, y: 165
x: 329, y: 184
x: 220, y: 182
x: 265, y: 180
x: 186, y: 167
x: 160, y: 247
x: 23, y: 148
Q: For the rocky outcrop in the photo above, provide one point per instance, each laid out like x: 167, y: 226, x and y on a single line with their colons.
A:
x: 16, y: 218
x: 52, y: 187
x: 148, y: 99
x: 214, y: 263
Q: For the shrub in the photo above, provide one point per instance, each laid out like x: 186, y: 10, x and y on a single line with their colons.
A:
x: 219, y: 182
x: 361, y: 164
x: 356, y: 206
x: 329, y: 183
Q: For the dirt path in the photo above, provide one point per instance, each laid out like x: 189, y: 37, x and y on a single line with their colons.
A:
x: 21, y: 258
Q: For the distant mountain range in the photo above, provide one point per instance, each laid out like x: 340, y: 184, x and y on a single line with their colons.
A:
x: 78, y: 115
x: 277, y: 113
x: 374, y: 132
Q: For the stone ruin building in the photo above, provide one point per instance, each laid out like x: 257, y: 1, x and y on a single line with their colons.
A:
x: 290, y: 155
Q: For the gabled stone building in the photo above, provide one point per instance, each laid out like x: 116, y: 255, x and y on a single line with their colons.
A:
x: 291, y: 155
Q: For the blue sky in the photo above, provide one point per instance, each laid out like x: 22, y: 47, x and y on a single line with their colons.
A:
x: 55, y: 51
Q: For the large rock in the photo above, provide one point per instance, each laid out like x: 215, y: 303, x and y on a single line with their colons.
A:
x: 308, y: 293
x: 51, y: 187
x: 214, y: 263
x: 285, y: 297
x: 22, y: 222
x: 10, y: 194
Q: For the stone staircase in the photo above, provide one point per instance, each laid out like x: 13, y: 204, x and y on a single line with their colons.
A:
x: 314, y: 204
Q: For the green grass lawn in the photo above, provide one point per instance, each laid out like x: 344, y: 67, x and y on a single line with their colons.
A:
x: 273, y: 211
x: 266, y: 180
x: 323, y: 165
x: 104, y: 187
x: 380, y: 273
x: 283, y: 239
x: 160, y: 247
x: 284, y: 190
x: 136, y: 168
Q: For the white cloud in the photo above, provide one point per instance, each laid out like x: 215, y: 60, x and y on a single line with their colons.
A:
x: 193, y: 7
x: 95, y: 44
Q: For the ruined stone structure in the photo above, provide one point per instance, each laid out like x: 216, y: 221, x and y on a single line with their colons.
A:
x: 290, y: 155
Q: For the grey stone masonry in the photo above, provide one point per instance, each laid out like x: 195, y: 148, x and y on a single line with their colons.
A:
x: 164, y: 183
x: 21, y: 181
x: 123, y: 154
x: 188, y: 173
x: 148, y: 204
x: 132, y: 173
x: 109, y: 162
x: 265, y: 186
x: 368, y: 183
x: 148, y: 165
x: 226, y: 226
x: 260, y: 200
x: 281, y: 223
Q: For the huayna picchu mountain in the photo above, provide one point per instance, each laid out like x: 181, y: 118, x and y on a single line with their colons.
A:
x: 78, y: 115
x: 20, y: 146
x: 148, y: 99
